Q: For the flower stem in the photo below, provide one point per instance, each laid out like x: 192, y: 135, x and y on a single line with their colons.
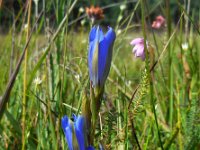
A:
x: 95, y: 95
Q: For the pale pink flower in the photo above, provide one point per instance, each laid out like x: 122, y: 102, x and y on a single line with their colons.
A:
x: 138, y: 49
x: 159, y: 22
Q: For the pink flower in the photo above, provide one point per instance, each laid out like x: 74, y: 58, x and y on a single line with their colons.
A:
x: 138, y: 49
x: 159, y: 22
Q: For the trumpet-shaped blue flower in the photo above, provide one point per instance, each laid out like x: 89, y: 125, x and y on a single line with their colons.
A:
x: 100, y: 55
x: 75, y: 133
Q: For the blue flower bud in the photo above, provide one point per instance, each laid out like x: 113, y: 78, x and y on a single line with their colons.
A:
x: 80, y: 130
x: 75, y: 132
x: 100, y: 55
x: 67, y: 128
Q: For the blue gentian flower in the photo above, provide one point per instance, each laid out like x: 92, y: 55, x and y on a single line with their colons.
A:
x: 67, y: 128
x: 100, y: 55
x: 75, y: 133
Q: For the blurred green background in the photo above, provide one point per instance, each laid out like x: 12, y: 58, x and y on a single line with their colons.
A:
x: 55, y: 10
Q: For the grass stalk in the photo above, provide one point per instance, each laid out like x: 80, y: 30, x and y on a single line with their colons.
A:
x: 187, y: 21
x: 119, y: 126
x: 149, y: 70
x: 13, y: 45
x: 25, y: 81
x: 179, y: 119
x: 170, y: 74
x: 134, y: 134
x: 36, y: 28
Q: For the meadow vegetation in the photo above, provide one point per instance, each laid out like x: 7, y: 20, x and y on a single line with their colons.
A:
x: 150, y: 104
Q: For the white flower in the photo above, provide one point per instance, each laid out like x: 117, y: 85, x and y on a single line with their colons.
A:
x: 25, y: 26
x: 119, y: 31
x: 81, y: 10
x: 83, y: 22
x: 122, y: 7
x: 37, y: 81
x: 128, y: 83
x: 184, y: 46
x: 77, y: 76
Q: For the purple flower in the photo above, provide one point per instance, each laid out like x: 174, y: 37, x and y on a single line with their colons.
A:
x: 138, y: 49
x: 159, y: 22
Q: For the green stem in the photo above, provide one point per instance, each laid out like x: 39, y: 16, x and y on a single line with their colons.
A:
x: 25, y: 81
x: 179, y: 119
x: 149, y: 70
x: 95, y: 96
x: 170, y: 64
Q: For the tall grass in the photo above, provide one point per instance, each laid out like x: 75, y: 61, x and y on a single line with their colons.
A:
x: 146, y: 105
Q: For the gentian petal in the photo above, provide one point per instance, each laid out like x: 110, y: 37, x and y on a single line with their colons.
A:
x: 80, y: 131
x: 90, y: 148
x: 110, y: 35
x: 92, y: 46
x: 92, y: 34
x: 100, y: 54
x: 96, y: 35
x: 105, y: 55
x: 94, y: 62
x: 67, y: 128
x: 74, y: 117
x: 101, y: 35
